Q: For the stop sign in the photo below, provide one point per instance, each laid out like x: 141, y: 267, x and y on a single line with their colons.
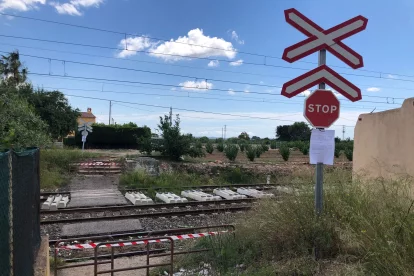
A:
x: 321, y: 108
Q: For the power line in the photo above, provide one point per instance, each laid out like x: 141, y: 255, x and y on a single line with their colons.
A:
x: 207, y: 69
x: 145, y: 71
x: 179, y: 42
x: 185, y: 109
x: 192, y: 97
x: 192, y: 57
x: 169, y: 85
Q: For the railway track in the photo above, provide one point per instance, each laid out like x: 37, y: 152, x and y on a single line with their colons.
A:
x: 260, y: 186
x: 143, y: 211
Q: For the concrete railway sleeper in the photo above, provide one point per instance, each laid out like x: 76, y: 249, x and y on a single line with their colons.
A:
x: 143, y: 207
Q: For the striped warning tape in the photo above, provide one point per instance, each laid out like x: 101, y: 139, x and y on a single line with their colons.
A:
x: 120, y: 244
x: 99, y: 164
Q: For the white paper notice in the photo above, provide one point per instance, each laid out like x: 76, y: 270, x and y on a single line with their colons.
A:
x: 322, y: 146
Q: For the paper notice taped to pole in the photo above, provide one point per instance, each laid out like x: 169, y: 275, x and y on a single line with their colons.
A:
x: 322, y: 146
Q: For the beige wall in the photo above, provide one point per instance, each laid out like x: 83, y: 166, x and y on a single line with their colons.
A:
x: 384, y: 143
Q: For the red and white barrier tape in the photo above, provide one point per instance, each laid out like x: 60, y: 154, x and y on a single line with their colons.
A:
x: 175, y: 238
x: 99, y: 164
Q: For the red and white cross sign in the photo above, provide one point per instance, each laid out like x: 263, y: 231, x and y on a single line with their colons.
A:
x: 329, y: 39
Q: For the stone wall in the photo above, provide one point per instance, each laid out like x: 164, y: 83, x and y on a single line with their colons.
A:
x: 384, y: 143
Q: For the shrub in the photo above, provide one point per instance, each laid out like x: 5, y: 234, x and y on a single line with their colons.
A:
x: 114, y: 136
x: 209, y: 147
x: 273, y: 145
x: 259, y: 151
x: 265, y: 147
x: 146, y: 145
x: 250, y: 152
x: 220, y: 147
x: 337, y: 152
x: 349, y: 153
x: 231, y: 151
x: 242, y: 145
x: 305, y: 150
x: 285, y: 152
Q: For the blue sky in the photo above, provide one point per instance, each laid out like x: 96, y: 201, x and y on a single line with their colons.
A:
x: 239, y: 27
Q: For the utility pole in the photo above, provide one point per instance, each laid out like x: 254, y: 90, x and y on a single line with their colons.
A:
x: 170, y: 115
x: 110, y: 111
x: 225, y: 130
x: 343, y: 132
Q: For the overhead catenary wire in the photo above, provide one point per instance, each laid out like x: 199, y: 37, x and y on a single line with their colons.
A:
x: 209, y: 69
x: 168, y: 85
x: 185, y: 109
x: 192, y: 97
x: 193, y: 57
x: 180, y: 42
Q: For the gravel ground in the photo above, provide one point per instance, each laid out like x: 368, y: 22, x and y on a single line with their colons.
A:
x: 148, y: 224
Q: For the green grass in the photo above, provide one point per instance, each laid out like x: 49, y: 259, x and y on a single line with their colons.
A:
x: 367, y: 228
x: 174, y: 181
x: 55, y: 165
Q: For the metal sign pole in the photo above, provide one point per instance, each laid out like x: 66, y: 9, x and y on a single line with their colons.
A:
x: 83, y: 140
x: 319, y: 166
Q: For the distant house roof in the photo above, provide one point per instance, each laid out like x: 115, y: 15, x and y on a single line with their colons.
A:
x: 87, y: 115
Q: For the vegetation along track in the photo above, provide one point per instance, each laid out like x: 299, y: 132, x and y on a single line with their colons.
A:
x: 153, y: 211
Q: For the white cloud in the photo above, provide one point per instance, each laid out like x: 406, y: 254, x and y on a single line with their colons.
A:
x: 391, y: 76
x: 373, y: 89
x: 66, y: 8
x: 236, y: 63
x: 261, y: 82
x: 236, y: 38
x: 305, y: 93
x: 20, y: 5
x: 74, y: 7
x: 185, y: 47
x: 247, y: 89
x: 196, y: 85
x: 133, y: 44
x: 231, y: 92
x: 173, y: 89
x: 213, y: 63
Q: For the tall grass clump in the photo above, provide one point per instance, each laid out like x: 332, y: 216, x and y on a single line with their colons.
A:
x: 55, y: 165
x: 366, y: 228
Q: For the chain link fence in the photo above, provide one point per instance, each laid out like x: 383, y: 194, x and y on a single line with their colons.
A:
x: 19, y: 211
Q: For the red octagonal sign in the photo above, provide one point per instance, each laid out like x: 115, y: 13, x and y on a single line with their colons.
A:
x: 321, y: 108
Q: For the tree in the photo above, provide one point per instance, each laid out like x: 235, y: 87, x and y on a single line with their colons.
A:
x: 299, y: 131
x: 204, y: 139
x: 231, y: 151
x: 54, y: 109
x: 209, y: 147
x: 12, y: 71
x: 244, y: 136
x: 255, y: 138
x: 282, y: 133
x: 20, y: 127
x: 174, y: 144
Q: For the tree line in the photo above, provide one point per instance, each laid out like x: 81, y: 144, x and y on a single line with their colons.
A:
x: 30, y: 116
